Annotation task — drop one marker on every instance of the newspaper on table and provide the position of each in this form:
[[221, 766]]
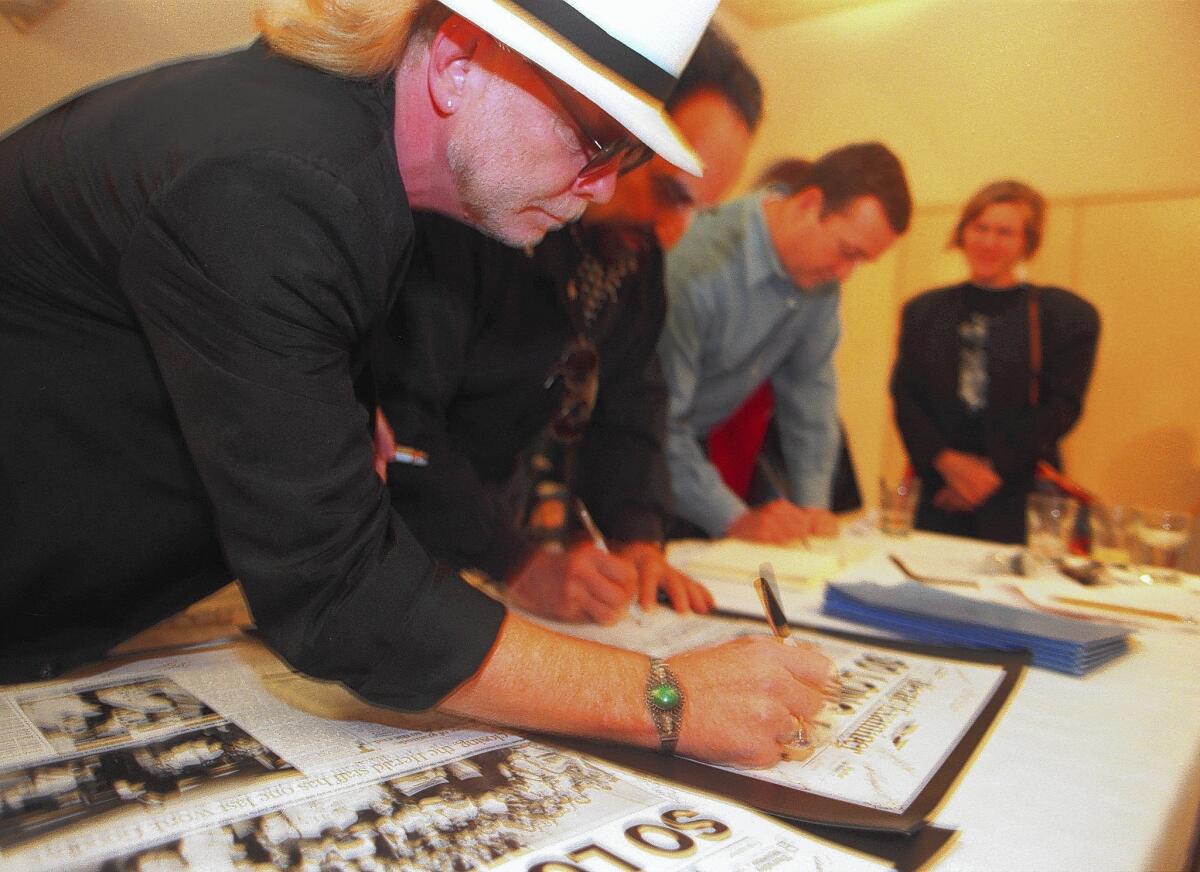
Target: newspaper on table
[[199, 762], [897, 718]]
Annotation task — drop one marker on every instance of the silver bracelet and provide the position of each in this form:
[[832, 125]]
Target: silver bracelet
[[664, 698]]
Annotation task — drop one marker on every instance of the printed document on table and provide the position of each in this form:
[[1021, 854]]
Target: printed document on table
[[897, 718], [192, 763], [736, 560]]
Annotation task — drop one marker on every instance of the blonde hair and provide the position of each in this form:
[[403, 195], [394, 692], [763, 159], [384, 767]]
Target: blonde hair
[[360, 39]]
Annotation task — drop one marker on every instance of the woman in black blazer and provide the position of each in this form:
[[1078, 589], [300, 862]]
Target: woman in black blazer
[[990, 373]]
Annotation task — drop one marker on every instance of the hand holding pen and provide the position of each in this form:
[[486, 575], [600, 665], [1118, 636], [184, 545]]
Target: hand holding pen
[[585, 518], [657, 581], [747, 697], [583, 583], [804, 742]]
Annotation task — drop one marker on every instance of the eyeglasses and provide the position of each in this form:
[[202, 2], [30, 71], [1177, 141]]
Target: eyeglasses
[[579, 371], [623, 151]]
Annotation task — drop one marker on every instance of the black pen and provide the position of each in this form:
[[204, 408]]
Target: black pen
[[585, 517], [768, 595], [801, 746], [772, 603]]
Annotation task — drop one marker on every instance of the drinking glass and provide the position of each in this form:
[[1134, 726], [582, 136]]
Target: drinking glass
[[1049, 524], [898, 505], [1159, 537], [1112, 530]]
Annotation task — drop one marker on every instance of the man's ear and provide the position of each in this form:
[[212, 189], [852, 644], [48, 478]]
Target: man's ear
[[809, 202], [452, 53]]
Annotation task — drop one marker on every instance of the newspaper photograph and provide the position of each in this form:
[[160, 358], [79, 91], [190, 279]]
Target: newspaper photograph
[[144, 768], [897, 718], [524, 808], [140, 743], [152, 751]]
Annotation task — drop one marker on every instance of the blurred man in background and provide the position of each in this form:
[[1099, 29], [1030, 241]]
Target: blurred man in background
[[753, 292]]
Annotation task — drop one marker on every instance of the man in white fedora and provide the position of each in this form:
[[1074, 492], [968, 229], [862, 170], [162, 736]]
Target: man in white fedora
[[192, 261], [527, 379]]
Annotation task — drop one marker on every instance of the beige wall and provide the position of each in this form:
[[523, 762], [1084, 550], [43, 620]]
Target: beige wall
[[1084, 97], [87, 41], [1094, 103], [1140, 263]]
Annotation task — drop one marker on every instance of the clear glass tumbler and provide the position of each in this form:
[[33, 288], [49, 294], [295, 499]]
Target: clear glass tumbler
[[1049, 525], [1112, 529], [898, 505]]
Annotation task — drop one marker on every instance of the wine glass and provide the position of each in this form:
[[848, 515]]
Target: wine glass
[[1158, 538]]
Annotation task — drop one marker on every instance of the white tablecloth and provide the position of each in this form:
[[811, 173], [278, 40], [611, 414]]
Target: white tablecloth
[[1097, 773]]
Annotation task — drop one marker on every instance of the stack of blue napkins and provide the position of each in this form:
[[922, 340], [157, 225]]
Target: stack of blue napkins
[[925, 614]]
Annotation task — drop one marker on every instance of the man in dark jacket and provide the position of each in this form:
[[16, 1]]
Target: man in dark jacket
[[191, 263], [471, 374]]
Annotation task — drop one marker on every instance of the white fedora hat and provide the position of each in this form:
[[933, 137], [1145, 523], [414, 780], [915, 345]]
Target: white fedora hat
[[623, 55]]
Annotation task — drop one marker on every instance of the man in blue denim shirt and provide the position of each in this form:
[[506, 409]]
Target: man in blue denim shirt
[[753, 293]]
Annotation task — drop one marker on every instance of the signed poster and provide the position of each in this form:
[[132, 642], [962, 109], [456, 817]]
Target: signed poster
[[898, 715]]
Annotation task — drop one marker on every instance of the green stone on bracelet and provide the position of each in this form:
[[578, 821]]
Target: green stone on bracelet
[[664, 697]]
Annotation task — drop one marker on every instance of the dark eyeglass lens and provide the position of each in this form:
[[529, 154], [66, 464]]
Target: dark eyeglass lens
[[627, 153], [630, 152], [637, 155]]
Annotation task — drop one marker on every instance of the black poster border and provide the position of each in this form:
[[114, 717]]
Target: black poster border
[[801, 806]]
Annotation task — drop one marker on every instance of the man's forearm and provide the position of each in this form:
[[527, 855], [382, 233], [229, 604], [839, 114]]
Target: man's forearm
[[811, 453], [806, 415], [736, 700], [814, 487], [537, 679], [699, 494]]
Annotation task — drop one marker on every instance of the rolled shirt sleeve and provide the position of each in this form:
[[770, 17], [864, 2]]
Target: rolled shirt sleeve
[[698, 491]]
